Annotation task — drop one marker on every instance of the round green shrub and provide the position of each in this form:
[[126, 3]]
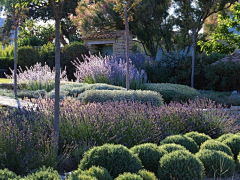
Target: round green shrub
[[149, 154], [224, 136], [234, 143], [172, 147], [187, 142], [129, 176], [6, 174], [116, 159], [74, 175], [82, 177], [216, 145], [44, 173], [100, 173], [27, 56], [216, 163], [181, 165], [147, 175], [199, 138], [238, 163]]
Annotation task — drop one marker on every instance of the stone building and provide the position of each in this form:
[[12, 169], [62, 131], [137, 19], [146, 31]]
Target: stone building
[[108, 43]]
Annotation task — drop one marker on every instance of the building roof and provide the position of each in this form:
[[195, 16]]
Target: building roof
[[105, 35]]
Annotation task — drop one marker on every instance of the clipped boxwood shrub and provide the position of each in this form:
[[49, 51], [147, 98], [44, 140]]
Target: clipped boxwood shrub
[[6, 174], [129, 176], [6, 63], [172, 92], [149, 154], [82, 177], [27, 56], [71, 52], [216, 163], [234, 143], [216, 145], [147, 175], [181, 165], [199, 138], [172, 147], [100, 173], [118, 95], [44, 173], [187, 142], [116, 159], [224, 136]]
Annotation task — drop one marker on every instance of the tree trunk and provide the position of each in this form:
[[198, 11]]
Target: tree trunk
[[15, 58], [193, 57], [57, 86], [127, 48]]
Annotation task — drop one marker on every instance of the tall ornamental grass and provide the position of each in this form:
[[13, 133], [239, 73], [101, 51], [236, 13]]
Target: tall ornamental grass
[[37, 77], [96, 69]]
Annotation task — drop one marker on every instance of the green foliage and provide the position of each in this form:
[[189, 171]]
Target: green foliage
[[216, 145], [6, 62], [172, 92], [147, 175], [223, 76], [187, 142], [47, 54], [238, 163], [99, 173], [71, 52], [149, 154], [27, 56], [116, 159], [199, 138], [5, 174], [172, 147], [224, 137], [82, 177], [118, 95], [6, 51], [216, 163], [44, 174], [234, 143], [181, 165], [224, 39], [129, 176]]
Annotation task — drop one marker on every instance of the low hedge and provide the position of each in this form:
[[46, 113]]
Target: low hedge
[[172, 92], [6, 63], [118, 95]]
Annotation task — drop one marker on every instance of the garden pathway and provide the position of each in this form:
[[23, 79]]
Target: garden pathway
[[14, 103]]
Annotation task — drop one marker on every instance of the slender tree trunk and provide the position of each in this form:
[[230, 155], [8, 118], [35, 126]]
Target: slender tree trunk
[[57, 85], [15, 58], [193, 57], [127, 48]]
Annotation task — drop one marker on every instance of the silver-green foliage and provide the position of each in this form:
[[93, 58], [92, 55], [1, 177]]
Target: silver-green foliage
[[117, 95], [181, 165], [216, 163]]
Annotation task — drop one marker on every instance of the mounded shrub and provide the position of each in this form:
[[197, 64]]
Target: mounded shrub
[[216, 145], [199, 138], [147, 175], [118, 95], [216, 163], [172, 92], [181, 165], [129, 176], [224, 136], [172, 147], [238, 162], [99, 173], [44, 173], [6, 174], [116, 159], [149, 154], [234, 144], [187, 142], [82, 177], [27, 56]]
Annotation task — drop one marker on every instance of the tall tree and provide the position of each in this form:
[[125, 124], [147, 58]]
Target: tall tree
[[5, 31], [123, 7], [225, 37], [191, 15], [16, 10]]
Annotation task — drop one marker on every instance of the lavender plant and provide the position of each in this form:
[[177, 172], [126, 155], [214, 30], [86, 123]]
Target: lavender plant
[[37, 77], [96, 69]]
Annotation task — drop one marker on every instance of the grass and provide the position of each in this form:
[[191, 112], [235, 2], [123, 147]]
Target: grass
[[4, 80]]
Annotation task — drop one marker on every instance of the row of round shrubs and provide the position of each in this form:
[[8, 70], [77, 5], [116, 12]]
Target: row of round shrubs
[[183, 157]]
